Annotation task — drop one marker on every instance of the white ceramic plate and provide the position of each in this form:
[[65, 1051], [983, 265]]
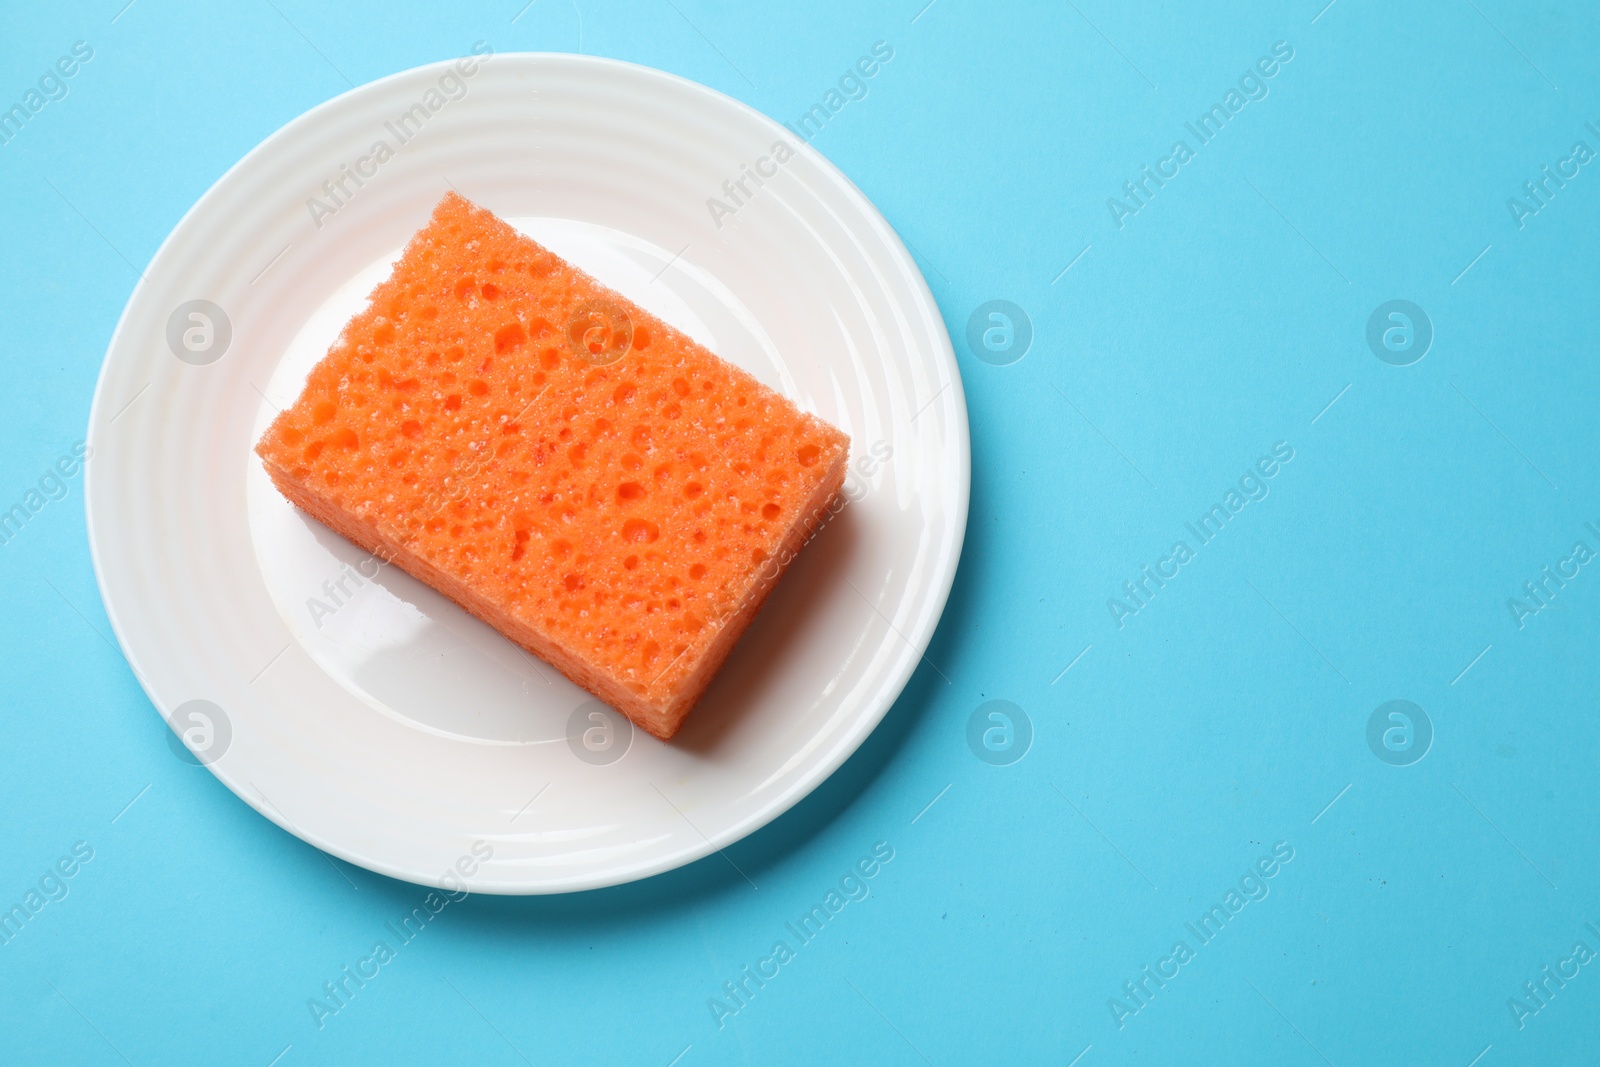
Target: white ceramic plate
[[394, 730]]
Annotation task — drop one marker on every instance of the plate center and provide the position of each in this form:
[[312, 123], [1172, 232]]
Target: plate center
[[402, 647]]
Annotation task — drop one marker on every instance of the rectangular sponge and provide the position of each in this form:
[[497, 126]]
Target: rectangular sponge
[[589, 481]]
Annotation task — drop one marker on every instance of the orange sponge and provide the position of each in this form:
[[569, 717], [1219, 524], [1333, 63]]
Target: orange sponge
[[591, 482]]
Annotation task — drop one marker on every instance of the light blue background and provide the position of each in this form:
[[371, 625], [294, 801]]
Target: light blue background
[[1222, 718]]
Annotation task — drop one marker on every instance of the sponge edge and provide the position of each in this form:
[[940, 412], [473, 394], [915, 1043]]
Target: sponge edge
[[586, 479]]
